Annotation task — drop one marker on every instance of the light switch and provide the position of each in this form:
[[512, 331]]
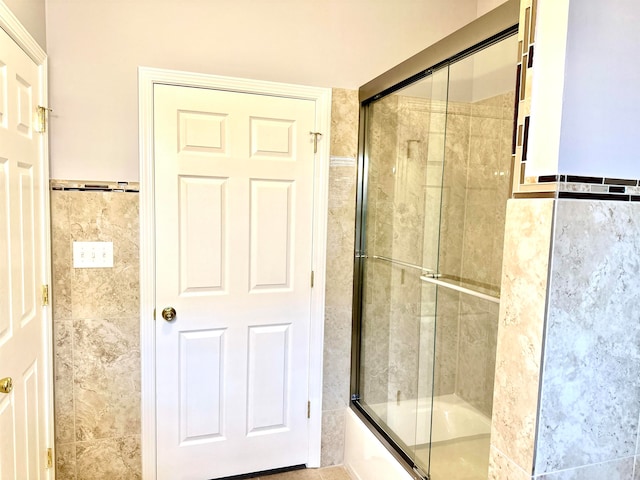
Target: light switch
[[92, 254]]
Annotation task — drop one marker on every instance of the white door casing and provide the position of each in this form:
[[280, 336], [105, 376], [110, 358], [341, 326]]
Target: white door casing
[[26, 413], [272, 332]]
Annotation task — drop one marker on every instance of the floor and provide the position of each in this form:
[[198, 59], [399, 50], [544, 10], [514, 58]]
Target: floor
[[328, 473]]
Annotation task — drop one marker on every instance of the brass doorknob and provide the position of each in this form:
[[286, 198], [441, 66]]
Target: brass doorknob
[[169, 314], [6, 385]]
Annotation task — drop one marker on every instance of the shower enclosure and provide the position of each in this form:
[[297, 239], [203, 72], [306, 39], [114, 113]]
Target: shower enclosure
[[433, 185]]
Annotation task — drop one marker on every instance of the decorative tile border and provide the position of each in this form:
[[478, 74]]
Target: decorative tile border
[[593, 188], [526, 46], [87, 186]]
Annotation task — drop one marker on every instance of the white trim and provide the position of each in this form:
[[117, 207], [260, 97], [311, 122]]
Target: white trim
[[19, 34], [10, 24], [47, 272], [147, 78]]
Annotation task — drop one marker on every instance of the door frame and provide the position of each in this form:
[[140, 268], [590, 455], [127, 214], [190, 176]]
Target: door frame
[[19, 34], [147, 78]]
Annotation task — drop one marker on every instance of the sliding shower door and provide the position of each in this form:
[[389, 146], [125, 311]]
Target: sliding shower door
[[405, 151], [434, 181]]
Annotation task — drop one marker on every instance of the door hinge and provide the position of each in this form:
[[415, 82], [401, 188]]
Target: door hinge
[[312, 278], [49, 457], [315, 140], [154, 314], [309, 409], [41, 127], [45, 295]]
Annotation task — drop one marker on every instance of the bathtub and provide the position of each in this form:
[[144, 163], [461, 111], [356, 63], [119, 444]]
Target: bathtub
[[452, 418]]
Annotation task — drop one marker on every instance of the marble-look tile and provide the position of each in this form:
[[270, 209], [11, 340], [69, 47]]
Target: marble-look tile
[[107, 378], [477, 352], [618, 469], [590, 397], [345, 111], [66, 461], [522, 311], [447, 339], [340, 236], [332, 444], [63, 381], [337, 358], [404, 350], [107, 292], [501, 468], [636, 468], [61, 248], [374, 353], [106, 216], [113, 459]]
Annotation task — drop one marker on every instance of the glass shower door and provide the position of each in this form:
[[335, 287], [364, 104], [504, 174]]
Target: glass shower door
[[476, 184], [434, 183], [404, 152]]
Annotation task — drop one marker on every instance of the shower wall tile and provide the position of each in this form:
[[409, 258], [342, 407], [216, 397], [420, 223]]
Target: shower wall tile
[[527, 244], [477, 352], [590, 398], [340, 235], [501, 468], [618, 469], [345, 113], [374, 354], [404, 351], [333, 432], [339, 273], [336, 362], [447, 339]]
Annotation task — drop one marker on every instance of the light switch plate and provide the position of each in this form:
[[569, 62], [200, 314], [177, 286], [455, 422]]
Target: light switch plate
[[92, 254]]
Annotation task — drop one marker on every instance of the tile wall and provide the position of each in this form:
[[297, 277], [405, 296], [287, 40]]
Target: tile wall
[[567, 394], [527, 242], [339, 288], [590, 388], [97, 345]]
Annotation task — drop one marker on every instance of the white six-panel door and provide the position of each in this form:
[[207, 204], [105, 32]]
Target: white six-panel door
[[24, 414], [234, 203]]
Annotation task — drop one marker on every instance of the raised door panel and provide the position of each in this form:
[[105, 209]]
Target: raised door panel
[[268, 379], [203, 233], [272, 227], [201, 386]]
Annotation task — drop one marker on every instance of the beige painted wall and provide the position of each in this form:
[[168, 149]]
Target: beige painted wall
[[95, 48], [32, 15]]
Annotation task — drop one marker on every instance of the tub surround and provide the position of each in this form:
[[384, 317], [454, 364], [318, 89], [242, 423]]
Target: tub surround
[[339, 285]]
